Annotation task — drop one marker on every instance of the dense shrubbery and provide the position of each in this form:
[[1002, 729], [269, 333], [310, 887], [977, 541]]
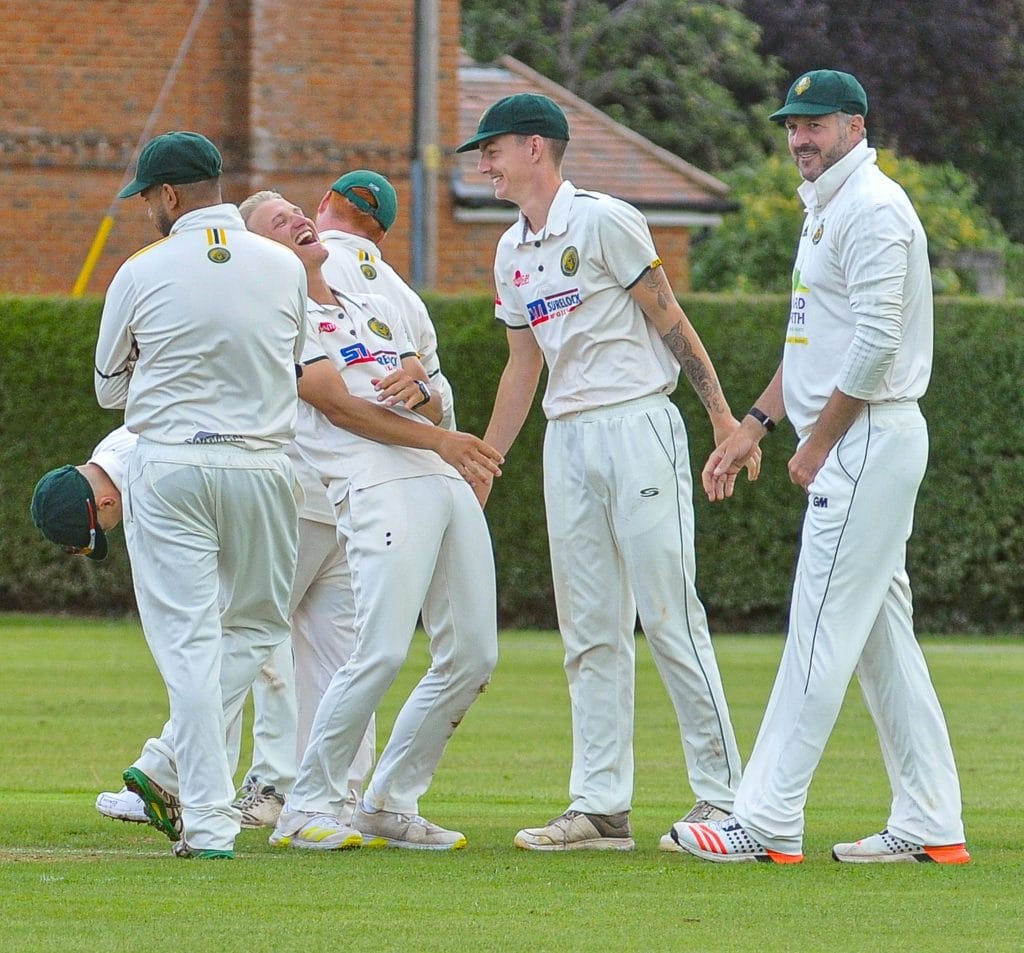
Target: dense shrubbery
[[965, 556]]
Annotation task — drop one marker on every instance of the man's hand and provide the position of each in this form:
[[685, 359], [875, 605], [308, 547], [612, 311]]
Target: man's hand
[[478, 462], [806, 462], [399, 387], [725, 428], [738, 450]]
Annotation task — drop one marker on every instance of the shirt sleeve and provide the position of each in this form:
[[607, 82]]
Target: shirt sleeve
[[626, 244], [115, 346], [874, 258]]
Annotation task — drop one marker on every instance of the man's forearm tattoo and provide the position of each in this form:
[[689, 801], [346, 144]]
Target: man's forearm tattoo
[[695, 369]]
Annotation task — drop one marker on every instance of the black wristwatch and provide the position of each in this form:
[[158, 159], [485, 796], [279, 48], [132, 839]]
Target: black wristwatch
[[425, 391], [762, 418]]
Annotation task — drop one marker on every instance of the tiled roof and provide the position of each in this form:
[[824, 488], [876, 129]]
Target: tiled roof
[[604, 155]]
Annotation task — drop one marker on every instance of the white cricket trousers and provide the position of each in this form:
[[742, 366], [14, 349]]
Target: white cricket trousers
[[205, 524], [419, 543], [618, 497], [323, 621], [851, 612]]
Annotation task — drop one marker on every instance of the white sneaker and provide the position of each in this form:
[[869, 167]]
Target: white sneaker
[[701, 811], [575, 830], [259, 803], [312, 831], [123, 805], [387, 829], [886, 848], [726, 841]]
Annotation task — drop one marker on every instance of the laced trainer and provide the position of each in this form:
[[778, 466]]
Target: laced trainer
[[701, 811], [887, 848], [259, 803], [123, 805], [163, 809], [726, 841], [409, 831], [185, 851], [309, 830], [575, 830]]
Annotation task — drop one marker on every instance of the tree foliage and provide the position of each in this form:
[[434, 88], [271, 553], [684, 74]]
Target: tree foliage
[[753, 249], [686, 75], [945, 80]]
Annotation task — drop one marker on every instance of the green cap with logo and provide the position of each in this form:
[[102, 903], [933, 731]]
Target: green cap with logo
[[377, 196], [821, 92], [527, 114], [64, 508], [175, 158]]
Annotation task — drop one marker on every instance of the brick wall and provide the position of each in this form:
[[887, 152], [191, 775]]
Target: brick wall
[[293, 93]]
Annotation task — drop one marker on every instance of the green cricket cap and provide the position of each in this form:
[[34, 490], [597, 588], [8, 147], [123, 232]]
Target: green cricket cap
[[823, 91], [527, 114], [175, 158], [64, 508], [371, 193]]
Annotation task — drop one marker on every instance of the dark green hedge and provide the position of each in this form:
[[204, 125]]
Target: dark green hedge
[[965, 557]]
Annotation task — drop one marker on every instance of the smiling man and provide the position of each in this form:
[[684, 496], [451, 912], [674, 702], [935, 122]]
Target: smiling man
[[416, 540], [857, 358], [580, 286]]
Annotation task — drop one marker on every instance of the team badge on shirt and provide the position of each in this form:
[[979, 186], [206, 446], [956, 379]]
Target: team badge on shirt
[[570, 261], [366, 265], [379, 328], [818, 232], [218, 254]]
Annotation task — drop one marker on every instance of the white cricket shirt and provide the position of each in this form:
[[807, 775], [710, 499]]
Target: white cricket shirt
[[200, 333], [354, 264], [570, 285], [112, 453], [364, 339], [862, 260]]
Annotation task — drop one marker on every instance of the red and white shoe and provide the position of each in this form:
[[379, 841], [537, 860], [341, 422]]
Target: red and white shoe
[[886, 848], [726, 841]]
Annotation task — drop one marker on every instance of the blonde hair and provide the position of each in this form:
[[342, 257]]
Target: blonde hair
[[247, 206]]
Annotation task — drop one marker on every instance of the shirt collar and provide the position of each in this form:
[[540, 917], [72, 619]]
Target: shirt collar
[[224, 215], [336, 234], [558, 216], [821, 191]]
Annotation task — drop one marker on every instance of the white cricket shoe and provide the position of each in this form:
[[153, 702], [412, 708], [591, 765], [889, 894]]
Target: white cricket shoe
[[575, 830], [886, 848], [123, 805], [259, 803], [409, 831], [701, 811], [726, 841], [310, 830]]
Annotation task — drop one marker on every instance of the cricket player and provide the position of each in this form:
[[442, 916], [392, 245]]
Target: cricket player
[[63, 505], [198, 341], [857, 358], [353, 219], [580, 287], [416, 540]]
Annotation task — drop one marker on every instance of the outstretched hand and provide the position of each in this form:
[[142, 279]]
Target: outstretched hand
[[737, 451], [478, 462]]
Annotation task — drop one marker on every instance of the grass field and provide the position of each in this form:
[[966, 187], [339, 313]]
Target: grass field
[[78, 698]]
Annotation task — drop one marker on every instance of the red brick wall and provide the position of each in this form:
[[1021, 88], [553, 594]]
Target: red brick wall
[[293, 93]]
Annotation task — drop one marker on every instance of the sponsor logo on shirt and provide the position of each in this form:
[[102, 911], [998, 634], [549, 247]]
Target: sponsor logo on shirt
[[519, 279], [204, 436], [327, 327], [798, 311], [553, 306], [570, 261], [358, 353]]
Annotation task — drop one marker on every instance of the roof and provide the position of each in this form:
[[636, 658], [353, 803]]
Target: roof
[[603, 155]]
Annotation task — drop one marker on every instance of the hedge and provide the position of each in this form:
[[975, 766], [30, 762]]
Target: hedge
[[965, 557]]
